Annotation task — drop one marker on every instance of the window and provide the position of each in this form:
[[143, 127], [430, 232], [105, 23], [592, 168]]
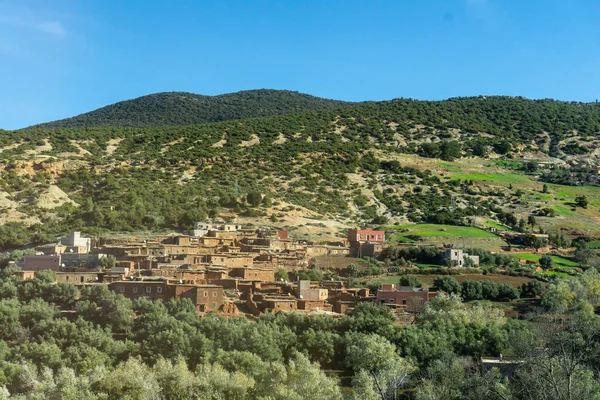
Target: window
[[214, 305], [205, 294], [159, 290], [135, 289], [404, 301], [121, 289], [214, 294], [148, 289]]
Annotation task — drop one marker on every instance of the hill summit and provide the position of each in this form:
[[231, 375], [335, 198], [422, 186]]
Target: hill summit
[[182, 108]]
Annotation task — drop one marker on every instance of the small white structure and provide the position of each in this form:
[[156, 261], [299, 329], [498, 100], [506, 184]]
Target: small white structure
[[458, 257], [75, 240]]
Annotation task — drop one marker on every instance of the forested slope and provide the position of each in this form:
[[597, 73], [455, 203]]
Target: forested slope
[[375, 163], [181, 108]]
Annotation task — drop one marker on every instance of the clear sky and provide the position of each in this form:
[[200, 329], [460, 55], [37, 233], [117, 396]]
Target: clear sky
[[61, 58]]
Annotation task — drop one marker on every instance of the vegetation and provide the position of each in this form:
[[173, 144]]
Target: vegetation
[[144, 165], [180, 108], [110, 347]]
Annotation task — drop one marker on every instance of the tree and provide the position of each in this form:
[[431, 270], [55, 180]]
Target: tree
[[447, 284], [450, 150], [581, 200], [108, 261], [546, 261], [376, 364], [480, 149], [507, 292], [410, 280], [531, 220], [489, 290], [254, 198], [46, 276], [282, 275], [545, 189], [472, 290]]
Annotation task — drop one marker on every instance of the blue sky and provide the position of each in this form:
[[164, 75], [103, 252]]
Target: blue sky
[[61, 58]]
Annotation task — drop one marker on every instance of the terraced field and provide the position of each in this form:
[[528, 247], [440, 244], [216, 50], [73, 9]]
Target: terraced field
[[560, 262]]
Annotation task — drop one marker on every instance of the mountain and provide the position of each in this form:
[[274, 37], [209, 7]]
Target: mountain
[[462, 161], [181, 108]]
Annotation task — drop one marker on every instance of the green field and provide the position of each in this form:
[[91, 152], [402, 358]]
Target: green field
[[450, 167], [594, 245], [497, 225], [560, 262], [427, 280], [508, 178], [508, 164], [563, 210], [433, 230], [555, 273], [568, 193]]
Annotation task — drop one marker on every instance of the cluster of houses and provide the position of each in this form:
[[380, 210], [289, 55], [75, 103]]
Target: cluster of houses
[[220, 267]]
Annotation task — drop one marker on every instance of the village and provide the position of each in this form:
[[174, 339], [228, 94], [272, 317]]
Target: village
[[225, 268]]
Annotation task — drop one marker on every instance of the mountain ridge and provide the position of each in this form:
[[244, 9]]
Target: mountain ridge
[[186, 108]]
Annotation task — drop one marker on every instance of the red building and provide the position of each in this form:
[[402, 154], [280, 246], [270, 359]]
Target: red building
[[403, 295], [366, 242]]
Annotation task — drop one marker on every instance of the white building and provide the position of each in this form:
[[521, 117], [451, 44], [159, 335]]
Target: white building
[[458, 257], [75, 240]]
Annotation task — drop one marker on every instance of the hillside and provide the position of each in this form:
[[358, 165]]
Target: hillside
[[465, 161], [180, 108]]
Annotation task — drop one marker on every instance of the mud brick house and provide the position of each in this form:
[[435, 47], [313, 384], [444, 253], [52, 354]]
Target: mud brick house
[[366, 235], [24, 275], [366, 242], [38, 263], [79, 277], [205, 297], [153, 288], [306, 292], [238, 260], [312, 305], [258, 274], [403, 295], [344, 299]]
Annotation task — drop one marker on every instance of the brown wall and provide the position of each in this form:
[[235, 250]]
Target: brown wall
[[400, 298], [77, 277], [38, 263], [134, 289], [206, 298], [265, 275]]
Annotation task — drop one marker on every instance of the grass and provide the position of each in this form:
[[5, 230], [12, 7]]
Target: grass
[[508, 164], [568, 193], [433, 230], [450, 167], [555, 273], [563, 210], [494, 224], [427, 280], [508, 178], [560, 262], [594, 244]]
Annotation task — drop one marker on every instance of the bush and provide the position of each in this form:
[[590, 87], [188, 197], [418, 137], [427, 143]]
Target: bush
[[410, 280], [447, 284]]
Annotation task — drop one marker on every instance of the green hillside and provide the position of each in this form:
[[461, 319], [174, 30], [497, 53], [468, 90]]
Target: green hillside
[[463, 161], [180, 108]]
